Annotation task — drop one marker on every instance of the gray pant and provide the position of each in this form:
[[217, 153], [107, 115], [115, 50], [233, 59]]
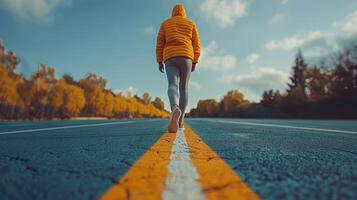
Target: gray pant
[[178, 70]]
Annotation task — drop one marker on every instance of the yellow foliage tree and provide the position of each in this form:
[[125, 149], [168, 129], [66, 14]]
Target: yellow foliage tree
[[232, 102], [43, 96], [8, 93], [56, 96], [74, 101], [207, 108], [109, 104]]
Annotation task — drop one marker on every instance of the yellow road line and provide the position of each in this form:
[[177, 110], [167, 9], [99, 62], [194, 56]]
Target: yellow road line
[[145, 179], [217, 179]]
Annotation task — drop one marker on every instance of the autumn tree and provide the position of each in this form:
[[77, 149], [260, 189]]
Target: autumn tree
[[10, 103], [109, 104], [98, 81], [56, 97], [159, 104], [9, 61], [120, 108], [95, 97], [43, 80], [8, 93], [233, 102], [43, 96], [74, 101], [318, 82], [2, 53], [208, 108], [137, 97], [132, 108], [146, 98], [40, 97], [26, 91]]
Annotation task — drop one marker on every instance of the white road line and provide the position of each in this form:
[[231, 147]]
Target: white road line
[[65, 127], [181, 181], [281, 126]]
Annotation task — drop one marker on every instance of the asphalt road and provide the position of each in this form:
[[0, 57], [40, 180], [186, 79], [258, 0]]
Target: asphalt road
[[73, 163], [278, 159], [287, 162]]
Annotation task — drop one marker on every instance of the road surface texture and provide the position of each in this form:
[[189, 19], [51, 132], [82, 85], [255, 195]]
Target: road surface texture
[[272, 159]]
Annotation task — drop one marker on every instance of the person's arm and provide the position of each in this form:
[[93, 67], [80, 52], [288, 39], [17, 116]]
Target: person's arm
[[196, 46], [160, 44]]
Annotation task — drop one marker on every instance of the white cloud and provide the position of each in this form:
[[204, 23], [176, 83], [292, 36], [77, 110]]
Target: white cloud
[[195, 85], [224, 12], [295, 42], [260, 80], [210, 59], [252, 58], [150, 30], [129, 92], [348, 25], [317, 45], [35, 11], [277, 18], [283, 2]]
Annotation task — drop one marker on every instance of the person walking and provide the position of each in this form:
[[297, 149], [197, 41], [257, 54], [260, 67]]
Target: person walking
[[178, 51]]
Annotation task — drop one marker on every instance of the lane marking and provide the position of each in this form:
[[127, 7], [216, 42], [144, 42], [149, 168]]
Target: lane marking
[[180, 166], [281, 126], [146, 178], [65, 127], [217, 179], [181, 182]]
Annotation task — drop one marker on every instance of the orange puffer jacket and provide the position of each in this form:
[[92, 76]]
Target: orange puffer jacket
[[178, 36]]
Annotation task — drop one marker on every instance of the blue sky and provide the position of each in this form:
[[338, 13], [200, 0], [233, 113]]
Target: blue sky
[[247, 44]]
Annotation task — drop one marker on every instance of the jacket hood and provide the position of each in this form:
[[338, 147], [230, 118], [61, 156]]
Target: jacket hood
[[179, 10]]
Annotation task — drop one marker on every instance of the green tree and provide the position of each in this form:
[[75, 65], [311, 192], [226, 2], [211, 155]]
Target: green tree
[[294, 102], [270, 98], [69, 79], [298, 78], [344, 83]]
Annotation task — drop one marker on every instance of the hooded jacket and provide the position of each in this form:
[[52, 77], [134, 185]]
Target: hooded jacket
[[178, 36]]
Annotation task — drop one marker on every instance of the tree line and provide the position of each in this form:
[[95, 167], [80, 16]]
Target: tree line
[[43, 96], [313, 92]]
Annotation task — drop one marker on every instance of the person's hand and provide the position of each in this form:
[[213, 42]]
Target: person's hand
[[161, 67], [193, 67]]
